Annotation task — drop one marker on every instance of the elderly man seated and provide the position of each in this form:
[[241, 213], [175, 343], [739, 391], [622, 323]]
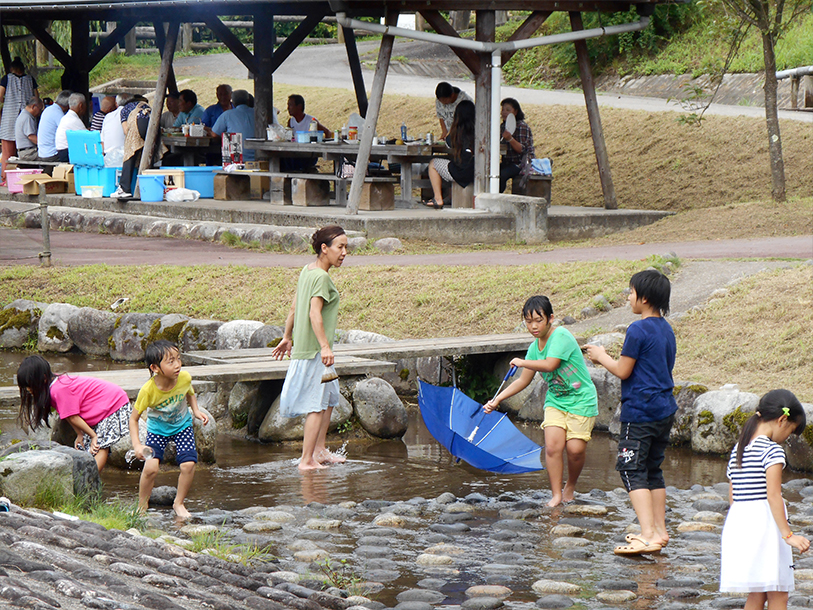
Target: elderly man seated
[[25, 130], [72, 121], [224, 103], [239, 119], [49, 121]]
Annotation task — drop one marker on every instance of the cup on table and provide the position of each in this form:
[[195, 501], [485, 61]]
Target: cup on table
[[185, 129]]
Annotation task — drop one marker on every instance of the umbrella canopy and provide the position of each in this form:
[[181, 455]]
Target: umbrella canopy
[[497, 446]]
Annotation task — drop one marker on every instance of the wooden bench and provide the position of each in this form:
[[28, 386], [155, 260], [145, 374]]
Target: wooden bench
[[537, 186], [309, 189]]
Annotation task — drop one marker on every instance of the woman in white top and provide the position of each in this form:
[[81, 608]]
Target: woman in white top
[[16, 88]]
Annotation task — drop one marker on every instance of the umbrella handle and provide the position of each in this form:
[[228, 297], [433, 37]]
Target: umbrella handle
[[508, 375]]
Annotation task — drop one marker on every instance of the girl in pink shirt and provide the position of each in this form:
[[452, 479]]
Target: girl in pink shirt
[[99, 411]]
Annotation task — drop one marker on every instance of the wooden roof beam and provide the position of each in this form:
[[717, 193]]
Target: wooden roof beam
[[295, 39], [528, 28], [226, 36], [60, 54], [110, 41], [441, 26]]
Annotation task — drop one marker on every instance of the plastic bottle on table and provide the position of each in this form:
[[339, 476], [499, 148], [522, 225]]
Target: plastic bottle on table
[[403, 132]]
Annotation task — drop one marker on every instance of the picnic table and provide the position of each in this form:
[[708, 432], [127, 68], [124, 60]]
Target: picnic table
[[407, 155], [191, 146]]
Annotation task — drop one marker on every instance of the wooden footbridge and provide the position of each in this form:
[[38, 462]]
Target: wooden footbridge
[[212, 367]]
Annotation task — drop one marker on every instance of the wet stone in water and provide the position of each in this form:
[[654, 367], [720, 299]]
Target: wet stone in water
[[414, 606], [615, 597], [276, 516], [421, 595], [554, 601], [552, 586], [455, 517], [431, 583], [373, 541], [511, 524], [584, 523], [488, 591], [382, 575], [716, 506], [508, 558], [261, 526], [672, 583], [683, 592], [569, 543], [504, 535], [482, 603], [372, 552], [566, 530], [451, 529], [428, 559]]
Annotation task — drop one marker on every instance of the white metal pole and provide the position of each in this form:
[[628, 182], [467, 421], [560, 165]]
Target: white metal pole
[[496, 92]]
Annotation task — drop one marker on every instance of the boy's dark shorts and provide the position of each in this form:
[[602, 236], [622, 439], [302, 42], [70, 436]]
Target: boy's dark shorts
[[641, 449], [184, 445]]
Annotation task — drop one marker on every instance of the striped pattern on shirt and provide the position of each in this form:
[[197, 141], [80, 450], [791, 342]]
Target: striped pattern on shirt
[[749, 482]]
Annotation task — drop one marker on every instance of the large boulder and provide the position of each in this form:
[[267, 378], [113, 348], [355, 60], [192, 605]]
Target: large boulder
[[19, 321], [29, 469], [129, 339], [205, 441], [686, 394], [275, 427], [379, 410], [608, 389], [243, 398], [91, 330], [266, 336], [236, 334], [215, 402], [404, 378], [718, 417], [799, 449], [198, 335], [533, 409], [168, 328], [513, 404], [53, 333]]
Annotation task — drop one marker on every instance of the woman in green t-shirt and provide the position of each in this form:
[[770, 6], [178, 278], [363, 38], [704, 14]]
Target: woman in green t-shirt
[[308, 340], [571, 402]]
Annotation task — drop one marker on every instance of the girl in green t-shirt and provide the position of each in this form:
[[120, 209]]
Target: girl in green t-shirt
[[309, 330], [571, 402]]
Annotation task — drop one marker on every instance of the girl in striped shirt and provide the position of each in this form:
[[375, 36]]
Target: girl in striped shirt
[[757, 539]]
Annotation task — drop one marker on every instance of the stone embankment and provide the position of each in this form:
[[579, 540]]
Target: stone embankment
[[476, 553]]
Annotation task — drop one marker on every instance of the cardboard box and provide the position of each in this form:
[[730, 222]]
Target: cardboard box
[[64, 171], [58, 183]]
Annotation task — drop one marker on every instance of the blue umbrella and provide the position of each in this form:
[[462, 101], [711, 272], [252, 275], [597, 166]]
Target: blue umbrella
[[496, 444]]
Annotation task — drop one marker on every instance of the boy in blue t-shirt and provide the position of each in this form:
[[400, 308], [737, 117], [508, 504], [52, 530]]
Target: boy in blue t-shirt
[[647, 407]]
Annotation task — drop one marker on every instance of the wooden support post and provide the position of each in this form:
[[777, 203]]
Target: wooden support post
[[366, 136], [4, 52], [420, 22], [160, 42], [794, 92], [77, 79], [109, 27], [186, 46], [485, 32], [588, 86], [264, 40], [355, 71], [152, 137], [340, 33], [130, 42]]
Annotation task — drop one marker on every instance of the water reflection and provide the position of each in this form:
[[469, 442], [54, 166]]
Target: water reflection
[[252, 474]]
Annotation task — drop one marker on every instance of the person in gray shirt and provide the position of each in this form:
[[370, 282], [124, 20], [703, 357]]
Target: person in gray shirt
[[25, 129]]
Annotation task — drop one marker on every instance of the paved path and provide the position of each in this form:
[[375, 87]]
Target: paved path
[[326, 66], [21, 246]]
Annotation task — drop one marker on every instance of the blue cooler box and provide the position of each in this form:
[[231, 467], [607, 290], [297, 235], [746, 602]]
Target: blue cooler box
[[86, 156], [200, 179]]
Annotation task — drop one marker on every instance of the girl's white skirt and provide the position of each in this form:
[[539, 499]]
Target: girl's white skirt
[[303, 391], [754, 556]]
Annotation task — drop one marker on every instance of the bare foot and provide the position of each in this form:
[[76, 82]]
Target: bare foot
[[181, 512], [569, 494], [312, 465], [556, 500], [328, 457]]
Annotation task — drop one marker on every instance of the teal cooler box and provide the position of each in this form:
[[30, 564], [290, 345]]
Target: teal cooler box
[[86, 156], [200, 179]]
